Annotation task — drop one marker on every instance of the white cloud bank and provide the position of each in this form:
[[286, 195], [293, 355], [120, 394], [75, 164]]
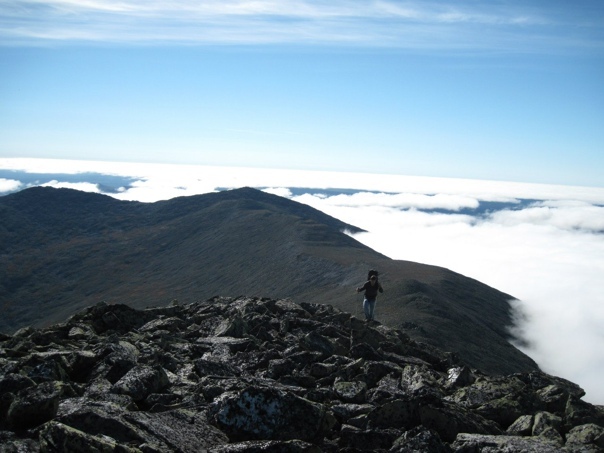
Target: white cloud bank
[[9, 185], [549, 253]]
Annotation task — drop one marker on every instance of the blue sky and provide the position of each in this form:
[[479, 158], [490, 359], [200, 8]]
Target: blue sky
[[502, 90]]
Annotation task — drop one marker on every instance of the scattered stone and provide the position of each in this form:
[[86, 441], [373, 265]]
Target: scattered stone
[[260, 375]]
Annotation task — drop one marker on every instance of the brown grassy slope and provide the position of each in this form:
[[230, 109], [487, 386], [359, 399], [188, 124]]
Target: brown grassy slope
[[64, 250]]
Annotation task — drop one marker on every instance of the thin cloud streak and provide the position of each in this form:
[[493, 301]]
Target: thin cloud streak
[[414, 25]]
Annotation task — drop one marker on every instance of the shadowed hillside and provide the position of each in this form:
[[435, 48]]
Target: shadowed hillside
[[63, 250]]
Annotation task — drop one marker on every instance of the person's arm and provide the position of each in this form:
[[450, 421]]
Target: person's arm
[[380, 287]]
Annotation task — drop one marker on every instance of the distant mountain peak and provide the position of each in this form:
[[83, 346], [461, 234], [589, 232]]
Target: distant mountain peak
[[64, 250]]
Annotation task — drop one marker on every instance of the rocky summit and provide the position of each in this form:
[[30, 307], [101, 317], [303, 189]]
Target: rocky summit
[[264, 375]]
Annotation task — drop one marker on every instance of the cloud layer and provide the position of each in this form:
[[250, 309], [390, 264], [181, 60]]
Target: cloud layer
[[501, 26], [542, 244]]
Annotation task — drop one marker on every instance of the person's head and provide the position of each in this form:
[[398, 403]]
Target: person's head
[[373, 279]]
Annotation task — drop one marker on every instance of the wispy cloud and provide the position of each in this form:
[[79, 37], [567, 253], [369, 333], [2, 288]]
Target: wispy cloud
[[416, 25]]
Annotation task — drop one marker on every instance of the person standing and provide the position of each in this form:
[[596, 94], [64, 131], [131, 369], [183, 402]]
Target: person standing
[[371, 288]]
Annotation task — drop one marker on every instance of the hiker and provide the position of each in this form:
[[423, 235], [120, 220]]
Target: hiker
[[371, 288]]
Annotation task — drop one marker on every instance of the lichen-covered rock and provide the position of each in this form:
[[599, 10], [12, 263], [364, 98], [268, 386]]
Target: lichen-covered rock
[[465, 443], [266, 413], [141, 381], [400, 414], [448, 421], [56, 437], [351, 392], [459, 377], [180, 430], [236, 327], [367, 440], [584, 435], [545, 420], [523, 426], [419, 439], [172, 324], [99, 418], [270, 446], [14, 382], [33, 406]]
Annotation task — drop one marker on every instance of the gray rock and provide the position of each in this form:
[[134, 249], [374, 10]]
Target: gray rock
[[270, 446], [172, 324], [419, 439], [347, 411], [400, 414], [544, 420], [13, 383], [321, 370], [459, 377], [180, 430], [99, 418], [267, 413], [33, 406], [588, 434], [141, 381], [351, 392], [367, 440], [235, 327], [448, 421], [465, 443], [523, 426], [56, 437]]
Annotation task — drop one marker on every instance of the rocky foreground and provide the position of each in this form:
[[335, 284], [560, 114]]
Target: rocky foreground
[[260, 375]]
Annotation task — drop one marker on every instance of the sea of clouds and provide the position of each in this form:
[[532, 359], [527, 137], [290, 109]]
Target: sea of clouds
[[542, 244]]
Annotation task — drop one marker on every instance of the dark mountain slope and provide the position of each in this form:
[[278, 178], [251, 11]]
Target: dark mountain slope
[[63, 250]]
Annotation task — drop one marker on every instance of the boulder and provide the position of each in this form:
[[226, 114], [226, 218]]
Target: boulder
[[56, 437], [367, 440], [351, 392], [419, 439], [141, 381], [522, 426], [545, 420], [465, 443], [449, 420], [400, 414], [268, 446], [271, 414], [99, 418], [33, 406], [583, 435], [180, 430]]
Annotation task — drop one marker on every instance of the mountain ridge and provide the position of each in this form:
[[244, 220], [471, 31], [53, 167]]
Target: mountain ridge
[[65, 250]]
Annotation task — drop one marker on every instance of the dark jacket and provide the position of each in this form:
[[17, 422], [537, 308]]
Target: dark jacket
[[371, 291]]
